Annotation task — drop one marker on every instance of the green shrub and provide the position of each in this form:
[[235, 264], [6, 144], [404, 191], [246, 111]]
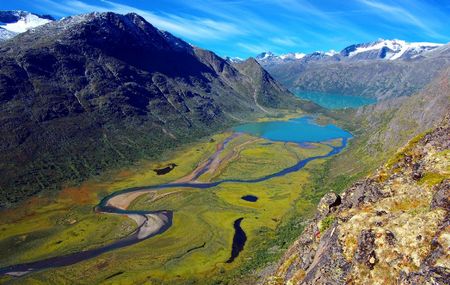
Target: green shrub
[[326, 223]]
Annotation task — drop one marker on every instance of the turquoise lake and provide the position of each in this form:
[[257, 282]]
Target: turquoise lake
[[334, 100], [297, 130]]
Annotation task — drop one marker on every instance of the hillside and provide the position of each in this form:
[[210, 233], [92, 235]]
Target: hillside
[[346, 241], [381, 70], [382, 128], [390, 228], [101, 90]]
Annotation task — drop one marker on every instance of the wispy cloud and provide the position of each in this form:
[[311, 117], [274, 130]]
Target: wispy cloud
[[395, 13], [195, 28], [254, 48], [246, 27], [287, 41]]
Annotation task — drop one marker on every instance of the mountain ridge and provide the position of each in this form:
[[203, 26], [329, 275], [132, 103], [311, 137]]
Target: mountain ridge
[[377, 50], [360, 76], [102, 90]]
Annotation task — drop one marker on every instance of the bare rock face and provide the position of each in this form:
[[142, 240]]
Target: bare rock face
[[328, 202], [441, 197], [391, 228], [367, 191], [329, 265], [365, 253]]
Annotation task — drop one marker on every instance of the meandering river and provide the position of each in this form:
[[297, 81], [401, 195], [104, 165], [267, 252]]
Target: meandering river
[[151, 223]]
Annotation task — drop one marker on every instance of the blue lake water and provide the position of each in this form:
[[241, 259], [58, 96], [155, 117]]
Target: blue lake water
[[334, 100], [297, 130]]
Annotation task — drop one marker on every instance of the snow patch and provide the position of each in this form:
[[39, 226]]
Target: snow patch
[[25, 23], [397, 48]]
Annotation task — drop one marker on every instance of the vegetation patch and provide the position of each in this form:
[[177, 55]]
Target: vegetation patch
[[326, 223], [203, 218]]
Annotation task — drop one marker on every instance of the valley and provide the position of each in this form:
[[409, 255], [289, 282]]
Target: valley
[[195, 236], [130, 154]]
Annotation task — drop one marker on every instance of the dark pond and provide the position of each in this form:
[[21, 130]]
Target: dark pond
[[249, 198], [239, 240], [165, 170]]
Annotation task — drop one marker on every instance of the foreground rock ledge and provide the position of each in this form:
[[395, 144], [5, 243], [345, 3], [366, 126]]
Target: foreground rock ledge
[[391, 228]]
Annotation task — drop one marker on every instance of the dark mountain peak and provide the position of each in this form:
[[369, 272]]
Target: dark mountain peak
[[346, 51], [129, 38], [109, 21], [265, 55], [252, 68], [251, 61], [175, 42], [108, 30]]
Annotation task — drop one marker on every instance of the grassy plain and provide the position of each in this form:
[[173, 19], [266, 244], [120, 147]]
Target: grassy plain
[[196, 247]]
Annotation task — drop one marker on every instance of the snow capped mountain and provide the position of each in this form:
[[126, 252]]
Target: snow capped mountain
[[378, 50], [16, 22], [292, 56], [331, 52], [388, 50], [269, 57], [265, 56], [234, 59]]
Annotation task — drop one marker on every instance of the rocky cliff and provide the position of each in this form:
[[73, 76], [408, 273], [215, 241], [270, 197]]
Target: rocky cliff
[[390, 228]]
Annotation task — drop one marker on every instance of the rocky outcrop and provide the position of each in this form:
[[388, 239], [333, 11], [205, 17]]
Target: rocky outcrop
[[390, 228]]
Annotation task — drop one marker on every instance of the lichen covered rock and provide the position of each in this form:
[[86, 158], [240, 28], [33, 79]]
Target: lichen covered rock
[[390, 228]]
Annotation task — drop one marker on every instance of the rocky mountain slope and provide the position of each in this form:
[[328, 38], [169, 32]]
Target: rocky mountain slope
[[390, 228], [16, 22], [382, 128], [100, 90], [383, 69]]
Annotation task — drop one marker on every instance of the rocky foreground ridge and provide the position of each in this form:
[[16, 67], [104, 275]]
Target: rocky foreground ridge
[[391, 228]]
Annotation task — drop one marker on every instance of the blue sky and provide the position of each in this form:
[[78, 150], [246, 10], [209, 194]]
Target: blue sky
[[246, 27]]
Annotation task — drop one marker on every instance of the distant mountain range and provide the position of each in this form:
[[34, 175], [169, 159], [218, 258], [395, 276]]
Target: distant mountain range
[[16, 22], [382, 69], [95, 91], [378, 50]]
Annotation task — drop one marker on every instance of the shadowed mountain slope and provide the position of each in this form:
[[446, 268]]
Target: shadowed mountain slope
[[100, 90]]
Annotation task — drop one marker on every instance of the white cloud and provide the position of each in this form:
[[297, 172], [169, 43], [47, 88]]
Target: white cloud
[[253, 48], [287, 41], [194, 28], [400, 15]]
